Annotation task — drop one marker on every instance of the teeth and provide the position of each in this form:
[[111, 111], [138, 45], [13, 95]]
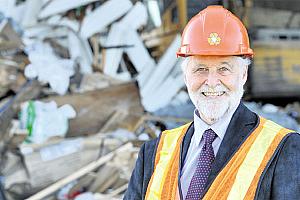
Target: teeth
[[213, 93]]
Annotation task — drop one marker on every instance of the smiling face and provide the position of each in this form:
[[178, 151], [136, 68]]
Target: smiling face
[[215, 84]]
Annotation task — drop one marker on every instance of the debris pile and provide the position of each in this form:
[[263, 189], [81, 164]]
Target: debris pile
[[80, 92], [76, 80]]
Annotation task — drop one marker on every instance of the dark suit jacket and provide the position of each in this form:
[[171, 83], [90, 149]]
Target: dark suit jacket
[[280, 179]]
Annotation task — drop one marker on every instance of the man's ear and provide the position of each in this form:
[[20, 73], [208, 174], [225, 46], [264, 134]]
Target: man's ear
[[245, 75], [184, 77]]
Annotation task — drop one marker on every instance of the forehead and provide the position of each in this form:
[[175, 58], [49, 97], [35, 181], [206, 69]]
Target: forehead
[[213, 60]]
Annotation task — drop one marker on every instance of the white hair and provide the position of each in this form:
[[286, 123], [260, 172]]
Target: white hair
[[245, 62]]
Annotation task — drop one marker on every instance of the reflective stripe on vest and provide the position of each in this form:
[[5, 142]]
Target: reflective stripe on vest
[[237, 180], [164, 180]]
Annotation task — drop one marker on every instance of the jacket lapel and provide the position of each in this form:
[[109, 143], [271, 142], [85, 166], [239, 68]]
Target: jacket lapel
[[240, 127], [242, 124]]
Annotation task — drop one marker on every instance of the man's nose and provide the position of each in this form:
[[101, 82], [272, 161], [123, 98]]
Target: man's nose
[[212, 79]]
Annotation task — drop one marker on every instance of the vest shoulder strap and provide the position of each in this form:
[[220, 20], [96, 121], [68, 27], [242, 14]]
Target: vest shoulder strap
[[240, 177]]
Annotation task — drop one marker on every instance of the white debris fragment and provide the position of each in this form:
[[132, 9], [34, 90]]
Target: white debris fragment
[[32, 9], [45, 120], [162, 70], [136, 17], [79, 49], [48, 68], [113, 56], [60, 6], [123, 33], [104, 15]]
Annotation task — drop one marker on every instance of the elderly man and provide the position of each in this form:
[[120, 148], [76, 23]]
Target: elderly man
[[227, 152]]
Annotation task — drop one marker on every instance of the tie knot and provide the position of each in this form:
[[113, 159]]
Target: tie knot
[[209, 136]]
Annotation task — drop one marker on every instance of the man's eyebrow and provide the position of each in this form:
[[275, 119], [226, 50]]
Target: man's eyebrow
[[226, 63], [200, 65]]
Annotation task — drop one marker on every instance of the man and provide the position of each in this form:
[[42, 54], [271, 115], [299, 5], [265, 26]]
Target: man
[[227, 152]]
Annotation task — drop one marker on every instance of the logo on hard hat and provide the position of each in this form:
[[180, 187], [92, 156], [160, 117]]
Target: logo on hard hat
[[214, 39]]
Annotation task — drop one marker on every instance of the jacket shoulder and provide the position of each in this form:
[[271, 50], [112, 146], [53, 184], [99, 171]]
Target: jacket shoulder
[[282, 176], [142, 172]]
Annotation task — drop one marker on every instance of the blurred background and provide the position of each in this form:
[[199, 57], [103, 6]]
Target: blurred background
[[83, 83]]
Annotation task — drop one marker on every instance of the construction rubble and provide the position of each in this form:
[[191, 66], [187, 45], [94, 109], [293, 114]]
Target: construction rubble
[[80, 92]]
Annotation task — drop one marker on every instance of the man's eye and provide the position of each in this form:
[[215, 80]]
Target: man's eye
[[223, 69], [201, 69]]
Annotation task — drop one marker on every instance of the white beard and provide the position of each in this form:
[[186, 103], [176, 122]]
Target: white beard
[[214, 109]]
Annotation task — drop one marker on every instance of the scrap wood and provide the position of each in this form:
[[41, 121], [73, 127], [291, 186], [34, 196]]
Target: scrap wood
[[108, 182], [60, 6], [96, 49], [124, 33], [168, 90], [103, 60], [83, 182], [167, 118], [90, 167], [108, 12], [94, 108], [55, 162], [121, 119], [9, 62], [91, 82], [9, 39], [164, 67], [137, 121], [150, 131], [16, 135], [117, 191], [31, 11], [105, 197], [103, 174], [29, 90], [150, 117]]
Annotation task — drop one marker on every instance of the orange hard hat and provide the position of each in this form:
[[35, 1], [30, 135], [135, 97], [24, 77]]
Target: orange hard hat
[[215, 31]]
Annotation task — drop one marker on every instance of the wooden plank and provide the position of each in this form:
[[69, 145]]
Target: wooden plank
[[163, 95], [90, 167], [95, 107], [124, 33], [60, 6], [104, 15], [136, 17], [95, 46], [32, 9], [80, 51], [166, 119], [103, 174], [122, 119], [118, 190], [138, 54], [163, 68], [146, 73], [9, 39], [113, 55]]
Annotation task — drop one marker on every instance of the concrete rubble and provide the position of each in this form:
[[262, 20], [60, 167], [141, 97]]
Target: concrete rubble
[[80, 93]]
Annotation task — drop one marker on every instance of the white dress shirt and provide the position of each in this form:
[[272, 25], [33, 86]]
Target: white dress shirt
[[197, 143]]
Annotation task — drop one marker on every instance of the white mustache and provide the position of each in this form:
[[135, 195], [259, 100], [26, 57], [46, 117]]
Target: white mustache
[[218, 88]]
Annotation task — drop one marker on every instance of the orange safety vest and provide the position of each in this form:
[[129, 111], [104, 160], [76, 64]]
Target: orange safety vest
[[239, 178]]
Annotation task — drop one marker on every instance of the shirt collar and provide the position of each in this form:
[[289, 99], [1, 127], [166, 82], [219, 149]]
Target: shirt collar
[[218, 127]]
